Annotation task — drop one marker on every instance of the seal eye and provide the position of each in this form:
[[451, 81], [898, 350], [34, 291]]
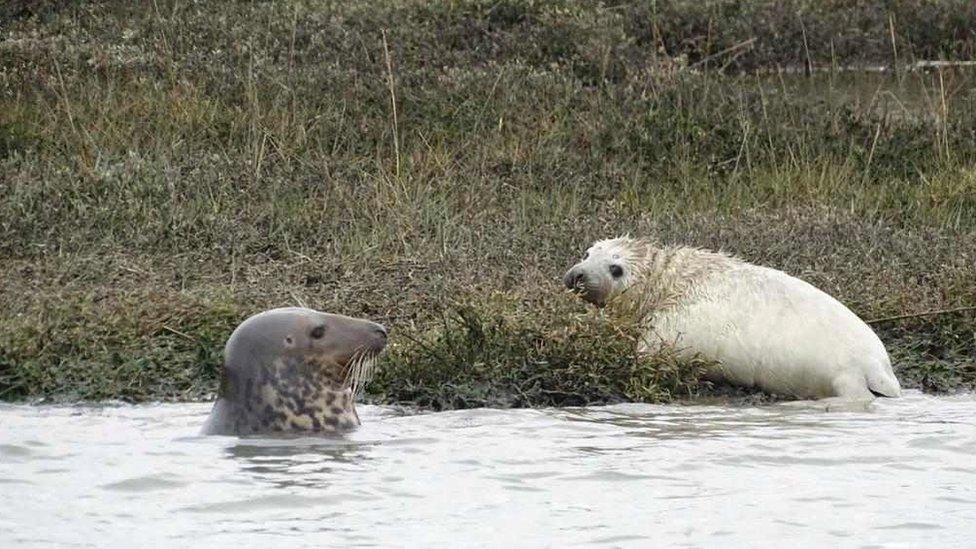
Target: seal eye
[[616, 271], [317, 332], [586, 256]]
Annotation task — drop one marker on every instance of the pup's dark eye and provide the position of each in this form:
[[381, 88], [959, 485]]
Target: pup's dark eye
[[317, 332], [616, 271], [586, 256]]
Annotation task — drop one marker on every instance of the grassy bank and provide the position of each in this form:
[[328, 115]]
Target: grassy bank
[[168, 168]]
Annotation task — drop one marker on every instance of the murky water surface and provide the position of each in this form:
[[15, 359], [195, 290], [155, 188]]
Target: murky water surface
[[895, 473]]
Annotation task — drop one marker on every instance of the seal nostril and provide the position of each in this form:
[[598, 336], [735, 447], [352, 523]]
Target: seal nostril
[[572, 280], [382, 331], [575, 281]]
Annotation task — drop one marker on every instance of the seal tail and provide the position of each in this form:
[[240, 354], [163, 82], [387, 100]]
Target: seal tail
[[881, 381]]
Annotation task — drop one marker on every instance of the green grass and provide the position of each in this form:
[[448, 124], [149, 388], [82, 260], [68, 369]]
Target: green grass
[[503, 353], [165, 172]]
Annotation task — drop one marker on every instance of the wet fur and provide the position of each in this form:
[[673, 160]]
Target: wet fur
[[665, 277]]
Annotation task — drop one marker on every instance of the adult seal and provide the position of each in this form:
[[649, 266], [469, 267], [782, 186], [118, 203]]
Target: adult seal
[[763, 327], [294, 370]]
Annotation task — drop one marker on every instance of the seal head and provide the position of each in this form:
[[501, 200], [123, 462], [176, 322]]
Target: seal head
[[604, 272], [294, 370]]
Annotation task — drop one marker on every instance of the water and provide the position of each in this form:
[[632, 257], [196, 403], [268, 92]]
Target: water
[[896, 473]]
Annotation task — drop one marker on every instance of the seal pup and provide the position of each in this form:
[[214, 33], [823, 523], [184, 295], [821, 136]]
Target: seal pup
[[294, 370], [763, 327]]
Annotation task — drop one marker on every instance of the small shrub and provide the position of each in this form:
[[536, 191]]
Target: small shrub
[[504, 352]]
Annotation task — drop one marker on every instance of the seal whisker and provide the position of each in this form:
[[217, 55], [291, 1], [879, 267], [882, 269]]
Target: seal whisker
[[364, 373], [360, 370], [350, 376]]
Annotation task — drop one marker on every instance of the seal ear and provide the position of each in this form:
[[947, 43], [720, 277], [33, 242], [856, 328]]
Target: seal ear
[[289, 341]]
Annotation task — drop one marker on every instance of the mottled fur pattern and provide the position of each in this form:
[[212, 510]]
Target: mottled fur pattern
[[296, 394]]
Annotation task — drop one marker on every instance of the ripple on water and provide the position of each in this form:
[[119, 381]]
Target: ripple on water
[[614, 476], [911, 526], [13, 451], [627, 475], [273, 502], [147, 483]]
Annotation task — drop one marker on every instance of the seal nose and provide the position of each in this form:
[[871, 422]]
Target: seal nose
[[573, 279], [377, 337]]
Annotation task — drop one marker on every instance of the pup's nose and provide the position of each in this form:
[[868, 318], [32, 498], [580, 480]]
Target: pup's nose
[[381, 331], [573, 279]]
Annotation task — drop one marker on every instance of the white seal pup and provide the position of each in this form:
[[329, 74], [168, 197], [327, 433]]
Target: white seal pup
[[294, 370], [761, 326]]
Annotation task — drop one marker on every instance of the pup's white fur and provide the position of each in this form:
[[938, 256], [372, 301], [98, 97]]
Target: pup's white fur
[[764, 327]]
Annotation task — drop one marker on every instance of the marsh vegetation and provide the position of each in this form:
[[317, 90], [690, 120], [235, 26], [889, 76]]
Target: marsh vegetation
[[168, 168]]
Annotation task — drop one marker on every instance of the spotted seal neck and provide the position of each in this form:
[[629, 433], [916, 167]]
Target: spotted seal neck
[[292, 394]]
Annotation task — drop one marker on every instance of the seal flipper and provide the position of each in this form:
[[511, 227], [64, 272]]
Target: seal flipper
[[882, 382]]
